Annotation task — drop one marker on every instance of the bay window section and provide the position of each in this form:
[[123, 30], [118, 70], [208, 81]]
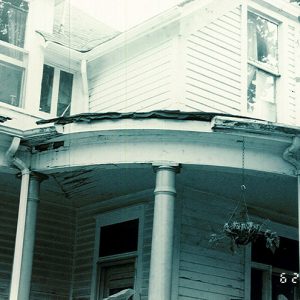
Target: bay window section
[[262, 67]]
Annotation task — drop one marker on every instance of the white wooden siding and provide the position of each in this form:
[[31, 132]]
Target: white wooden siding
[[290, 95], [206, 272], [213, 66], [84, 251], [53, 254], [136, 83], [8, 225], [51, 276]]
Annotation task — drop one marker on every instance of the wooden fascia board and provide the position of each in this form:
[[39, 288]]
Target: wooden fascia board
[[281, 7], [204, 15], [133, 34]]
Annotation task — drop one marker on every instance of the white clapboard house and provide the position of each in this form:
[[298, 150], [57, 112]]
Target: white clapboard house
[[137, 162]]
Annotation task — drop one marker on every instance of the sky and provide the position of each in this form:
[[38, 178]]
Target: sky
[[123, 14]]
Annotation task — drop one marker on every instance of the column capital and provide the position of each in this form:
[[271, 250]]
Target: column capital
[[38, 176], [35, 176], [166, 165]]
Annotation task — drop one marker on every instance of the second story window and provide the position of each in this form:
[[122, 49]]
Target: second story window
[[13, 15], [56, 91], [262, 66]]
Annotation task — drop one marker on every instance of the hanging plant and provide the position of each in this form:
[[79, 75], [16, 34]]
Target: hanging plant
[[239, 229], [243, 233]]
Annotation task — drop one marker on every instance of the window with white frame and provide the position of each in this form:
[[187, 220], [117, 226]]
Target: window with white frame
[[118, 252], [275, 276], [262, 66], [13, 62], [56, 91]]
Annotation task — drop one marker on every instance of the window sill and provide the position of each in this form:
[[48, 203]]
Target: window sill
[[264, 67], [23, 111], [121, 256]]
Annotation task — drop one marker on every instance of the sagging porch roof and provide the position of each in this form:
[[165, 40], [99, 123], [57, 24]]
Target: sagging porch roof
[[221, 121], [156, 114]]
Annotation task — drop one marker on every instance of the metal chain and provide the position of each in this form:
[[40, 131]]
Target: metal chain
[[243, 186]]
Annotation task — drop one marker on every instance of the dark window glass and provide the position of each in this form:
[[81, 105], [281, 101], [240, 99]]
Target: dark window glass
[[256, 284], [285, 257], [281, 290], [46, 92], [10, 84], [13, 15], [119, 238], [64, 94]]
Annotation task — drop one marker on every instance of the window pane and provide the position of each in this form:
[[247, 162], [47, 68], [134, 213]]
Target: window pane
[[261, 93], [119, 238], [262, 40], [46, 91], [64, 94], [10, 84], [13, 15]]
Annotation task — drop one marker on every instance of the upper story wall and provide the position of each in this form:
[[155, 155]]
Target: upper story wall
[[137, 77], [200, 62], [212, 66], [194, 58]]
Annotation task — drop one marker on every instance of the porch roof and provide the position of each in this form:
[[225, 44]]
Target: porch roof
[[156, 114], [221, 121], [77, 30]]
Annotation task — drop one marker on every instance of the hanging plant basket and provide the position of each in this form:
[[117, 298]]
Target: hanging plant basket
[[239, 229], [243, 233]]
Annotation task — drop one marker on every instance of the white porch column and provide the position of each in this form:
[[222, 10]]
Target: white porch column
[[162, 235], [23, 257]]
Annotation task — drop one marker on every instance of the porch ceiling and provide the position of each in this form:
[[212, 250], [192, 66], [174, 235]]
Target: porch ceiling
[[271, 195], [89, 185]]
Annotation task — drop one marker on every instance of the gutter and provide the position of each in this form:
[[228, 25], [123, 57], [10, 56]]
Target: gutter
[[17, 262]]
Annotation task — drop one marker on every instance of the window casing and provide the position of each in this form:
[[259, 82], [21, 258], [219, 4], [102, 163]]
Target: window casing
[[262, 67], [13, 58], [117, 256], [56, 91]]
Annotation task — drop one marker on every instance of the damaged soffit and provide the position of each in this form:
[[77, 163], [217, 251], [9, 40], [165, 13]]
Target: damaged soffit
[[77, 30]]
